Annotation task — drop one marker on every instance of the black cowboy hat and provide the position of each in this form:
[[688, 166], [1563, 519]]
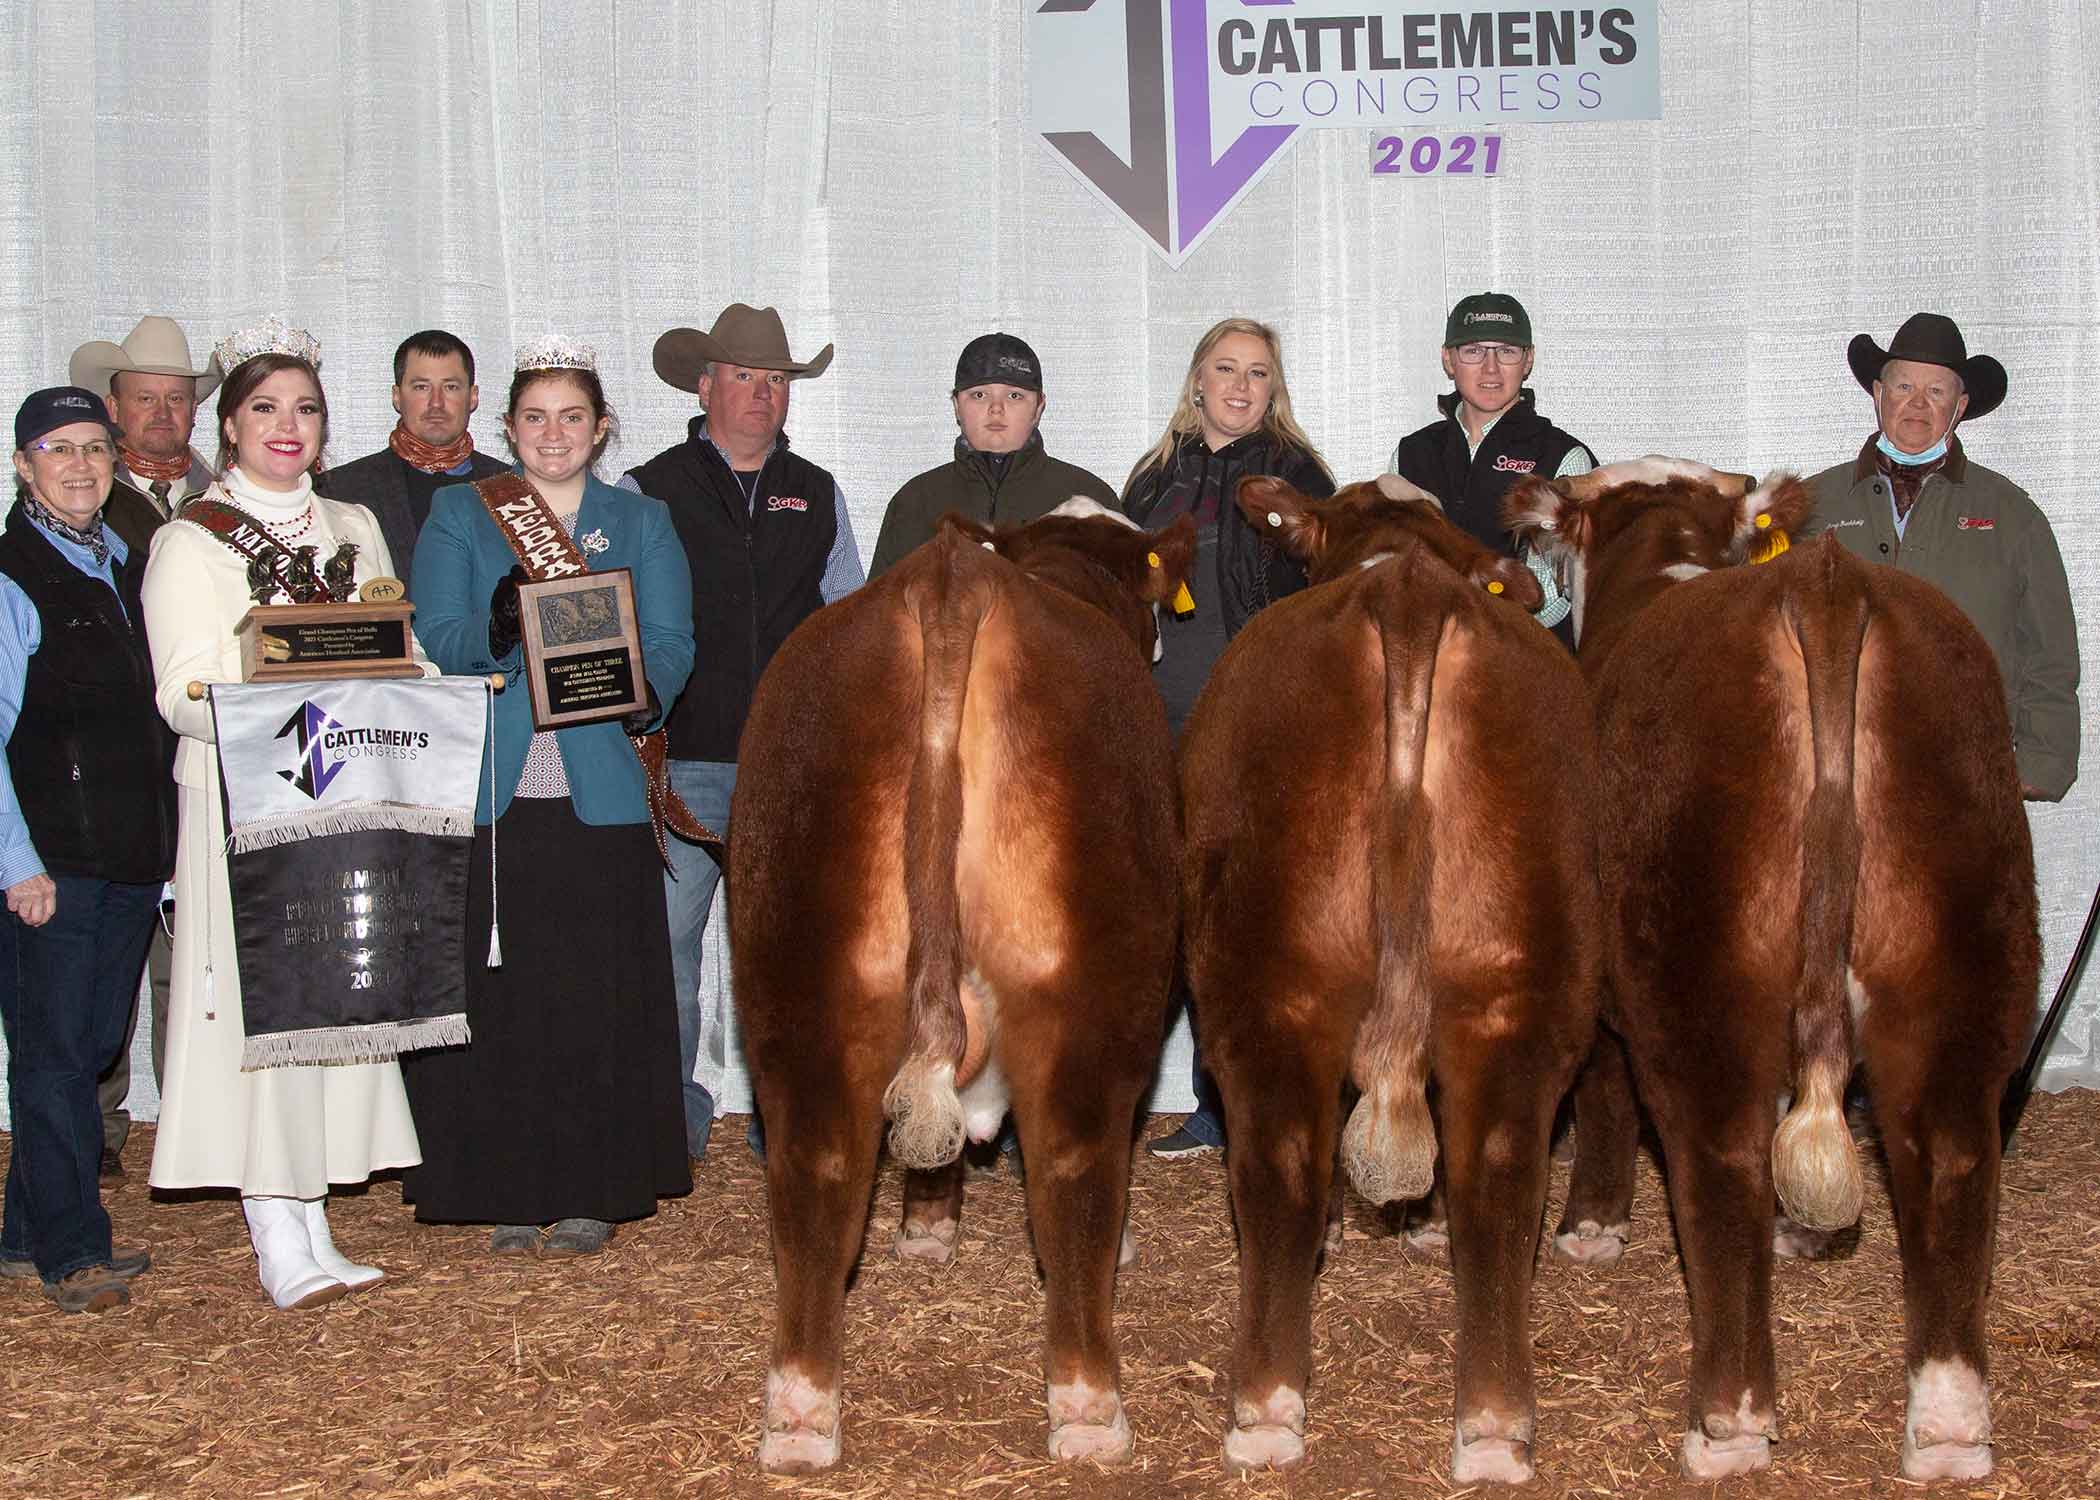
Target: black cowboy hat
[[1932, 339]]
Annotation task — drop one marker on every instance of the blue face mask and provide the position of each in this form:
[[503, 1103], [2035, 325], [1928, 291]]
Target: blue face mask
[[1896, 455]]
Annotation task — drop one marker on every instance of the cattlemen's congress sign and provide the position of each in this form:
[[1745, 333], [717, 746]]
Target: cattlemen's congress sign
[[1171, 110]]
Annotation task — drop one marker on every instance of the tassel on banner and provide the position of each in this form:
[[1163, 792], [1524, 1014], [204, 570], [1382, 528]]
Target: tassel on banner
[[495, 960]]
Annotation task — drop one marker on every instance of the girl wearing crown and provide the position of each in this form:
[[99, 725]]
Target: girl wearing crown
[[280, 1135], [564, 1115]]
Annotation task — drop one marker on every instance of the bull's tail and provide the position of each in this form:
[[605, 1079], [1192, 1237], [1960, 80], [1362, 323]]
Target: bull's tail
[[1815, 1166], [924, 1109], [1389, 1146]]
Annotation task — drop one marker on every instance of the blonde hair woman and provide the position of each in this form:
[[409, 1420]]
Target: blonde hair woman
[[1232, 418]]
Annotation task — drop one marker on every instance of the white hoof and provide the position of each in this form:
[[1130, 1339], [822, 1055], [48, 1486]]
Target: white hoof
[[802, 1425], [1263, 1447], [1720, 1458], [1490, 1460], [1947, 1429], [1087, 1422], [933, 1244], [1432, 1238], [1592, 1244], [1791, 1241]]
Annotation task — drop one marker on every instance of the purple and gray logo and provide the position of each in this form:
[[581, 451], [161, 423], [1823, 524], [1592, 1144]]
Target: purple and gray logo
[[310, 723]]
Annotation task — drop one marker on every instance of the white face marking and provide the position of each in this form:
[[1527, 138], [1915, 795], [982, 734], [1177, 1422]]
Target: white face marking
[[1083, 508], [1682, 571], [1576, 591], [1756, 503], [1374, 559]]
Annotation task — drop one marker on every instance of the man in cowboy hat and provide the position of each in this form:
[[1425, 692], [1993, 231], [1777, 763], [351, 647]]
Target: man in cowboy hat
[[769, 542], [429, 448], [154, 389], [1915, 500]]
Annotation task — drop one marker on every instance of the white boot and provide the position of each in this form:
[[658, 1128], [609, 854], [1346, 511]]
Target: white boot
[[284, 1257], [326, 1256]]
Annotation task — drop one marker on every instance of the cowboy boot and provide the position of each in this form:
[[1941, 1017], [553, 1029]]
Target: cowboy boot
[[326, 1256], [284, 1256]]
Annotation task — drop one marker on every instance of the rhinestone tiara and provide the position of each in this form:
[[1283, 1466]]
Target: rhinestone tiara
[[553, 352], [271, 336]]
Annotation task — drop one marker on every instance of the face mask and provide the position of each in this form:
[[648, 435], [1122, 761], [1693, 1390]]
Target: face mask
[[1896, 455]]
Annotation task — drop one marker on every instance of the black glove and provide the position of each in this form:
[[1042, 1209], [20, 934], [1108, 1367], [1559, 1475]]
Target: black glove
[[503, 613], [637, 723]]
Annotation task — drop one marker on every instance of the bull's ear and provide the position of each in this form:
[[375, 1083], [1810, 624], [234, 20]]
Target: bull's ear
[[1393, 487], [967, 529], [1283, 515], [1782, 503], [1509, 579], [1169, 554]]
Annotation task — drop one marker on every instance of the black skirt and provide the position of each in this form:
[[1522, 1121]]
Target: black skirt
[[567, 1103]]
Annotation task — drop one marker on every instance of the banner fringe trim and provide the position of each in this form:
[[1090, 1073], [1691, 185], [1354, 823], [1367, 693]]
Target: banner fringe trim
[[337, 1045], [358, 817]]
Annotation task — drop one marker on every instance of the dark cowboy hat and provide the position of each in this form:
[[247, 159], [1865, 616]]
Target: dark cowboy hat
[[749, 336], [1932, 339]]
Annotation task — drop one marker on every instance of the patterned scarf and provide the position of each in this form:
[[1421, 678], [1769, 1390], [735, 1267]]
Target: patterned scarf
[[166, 470], [429, 457], [1905, 480], [94, 538]]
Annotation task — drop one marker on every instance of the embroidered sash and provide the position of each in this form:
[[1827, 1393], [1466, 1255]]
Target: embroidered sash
[[246, 536], [547, 550]]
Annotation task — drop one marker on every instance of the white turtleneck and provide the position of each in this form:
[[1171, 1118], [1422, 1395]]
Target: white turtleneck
[[275, 506]]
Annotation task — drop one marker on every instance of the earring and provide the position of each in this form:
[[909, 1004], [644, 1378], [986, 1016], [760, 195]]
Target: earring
[[1197, 399]]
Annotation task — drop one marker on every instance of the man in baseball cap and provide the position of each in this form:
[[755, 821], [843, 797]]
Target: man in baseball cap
[[769, 542], [1000, 473], [1491, 434], [1915, 500]]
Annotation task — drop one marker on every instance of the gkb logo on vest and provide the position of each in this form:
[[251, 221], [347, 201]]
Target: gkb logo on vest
[[1172, 110]]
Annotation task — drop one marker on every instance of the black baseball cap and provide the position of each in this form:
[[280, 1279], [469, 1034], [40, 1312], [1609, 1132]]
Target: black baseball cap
[[58, 406], [1488, 318], [998, 359]]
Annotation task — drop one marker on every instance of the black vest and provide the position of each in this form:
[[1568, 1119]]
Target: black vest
[[91, 760], [756, 575], [1521, 442]]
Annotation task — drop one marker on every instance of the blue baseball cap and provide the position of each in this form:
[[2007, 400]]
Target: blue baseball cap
[[55, 407]]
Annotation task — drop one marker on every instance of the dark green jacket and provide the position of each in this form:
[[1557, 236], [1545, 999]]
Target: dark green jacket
[[1980, 538], [1034, 485]]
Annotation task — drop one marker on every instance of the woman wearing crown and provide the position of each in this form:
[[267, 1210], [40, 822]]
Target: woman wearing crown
[[280, 1135], [564, 1115]]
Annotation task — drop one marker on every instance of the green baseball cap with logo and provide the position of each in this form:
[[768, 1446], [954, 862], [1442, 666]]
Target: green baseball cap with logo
[[1488, 318]]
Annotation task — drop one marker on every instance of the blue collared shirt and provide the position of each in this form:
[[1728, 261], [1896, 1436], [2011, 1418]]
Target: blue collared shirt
[[21, 632]]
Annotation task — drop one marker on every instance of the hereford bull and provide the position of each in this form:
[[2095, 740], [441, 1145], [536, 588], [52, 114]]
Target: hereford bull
[[953, 886], [1813, 853], [1389, 879]]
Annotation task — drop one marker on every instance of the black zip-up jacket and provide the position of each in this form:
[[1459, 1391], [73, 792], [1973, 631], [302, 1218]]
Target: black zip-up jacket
[[1472, 485], [1252, 570], [757, 574]]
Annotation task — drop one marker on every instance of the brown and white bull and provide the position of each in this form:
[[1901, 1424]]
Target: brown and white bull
[[1813, 854], [1389, 880], [953, 888]]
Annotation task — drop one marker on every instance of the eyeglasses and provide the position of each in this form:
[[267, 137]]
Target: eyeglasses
[[1502, 354], [97, 452]]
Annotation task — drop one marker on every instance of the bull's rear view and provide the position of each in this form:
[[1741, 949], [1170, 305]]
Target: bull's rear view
[[953, 890]]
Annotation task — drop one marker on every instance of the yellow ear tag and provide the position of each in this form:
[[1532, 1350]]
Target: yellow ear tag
[[1184, 603], [1151, 559], [1495, 587], [1775, 542], [1764, 519]]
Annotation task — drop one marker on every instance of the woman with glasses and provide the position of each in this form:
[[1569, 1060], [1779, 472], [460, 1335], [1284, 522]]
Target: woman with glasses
[[87, 838], [1231, 420], [1491, 434]]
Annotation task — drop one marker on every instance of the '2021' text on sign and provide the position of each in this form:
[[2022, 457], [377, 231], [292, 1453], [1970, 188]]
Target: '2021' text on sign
[[1437, 156]]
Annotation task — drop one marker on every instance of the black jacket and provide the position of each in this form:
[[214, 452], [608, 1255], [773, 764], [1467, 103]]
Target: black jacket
[[398, 496], [758, 572], [1472, 486], [1252, 571], [91, 759]]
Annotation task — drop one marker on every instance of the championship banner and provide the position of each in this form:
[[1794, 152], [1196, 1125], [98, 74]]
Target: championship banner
[[350, 814]]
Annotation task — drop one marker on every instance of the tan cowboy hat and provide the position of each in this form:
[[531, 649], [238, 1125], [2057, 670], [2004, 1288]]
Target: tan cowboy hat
[[749, 336], [155, 347]]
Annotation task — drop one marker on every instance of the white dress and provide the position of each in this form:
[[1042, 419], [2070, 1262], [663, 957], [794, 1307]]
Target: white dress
[[274, 1132]]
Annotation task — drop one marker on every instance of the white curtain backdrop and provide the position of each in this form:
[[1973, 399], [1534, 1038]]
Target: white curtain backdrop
[[611, 170]]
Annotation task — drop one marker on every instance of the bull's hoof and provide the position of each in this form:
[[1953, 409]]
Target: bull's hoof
[[802, 1425], [1791, 1241], [1263, 1447], [932, 1243], [1721, 1458], [1431, 1237], [1095, 1442], [1126, 1252], [1946, 1460], [1490, 1460], [1947, 1429], [801, 1450], [1591, 1244]]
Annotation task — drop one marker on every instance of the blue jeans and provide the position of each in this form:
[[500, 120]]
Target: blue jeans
[[65, 999], [1207, 1123], [689, 894]]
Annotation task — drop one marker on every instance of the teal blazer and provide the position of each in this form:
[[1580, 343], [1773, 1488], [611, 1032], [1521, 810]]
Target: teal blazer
[[461, 555]]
